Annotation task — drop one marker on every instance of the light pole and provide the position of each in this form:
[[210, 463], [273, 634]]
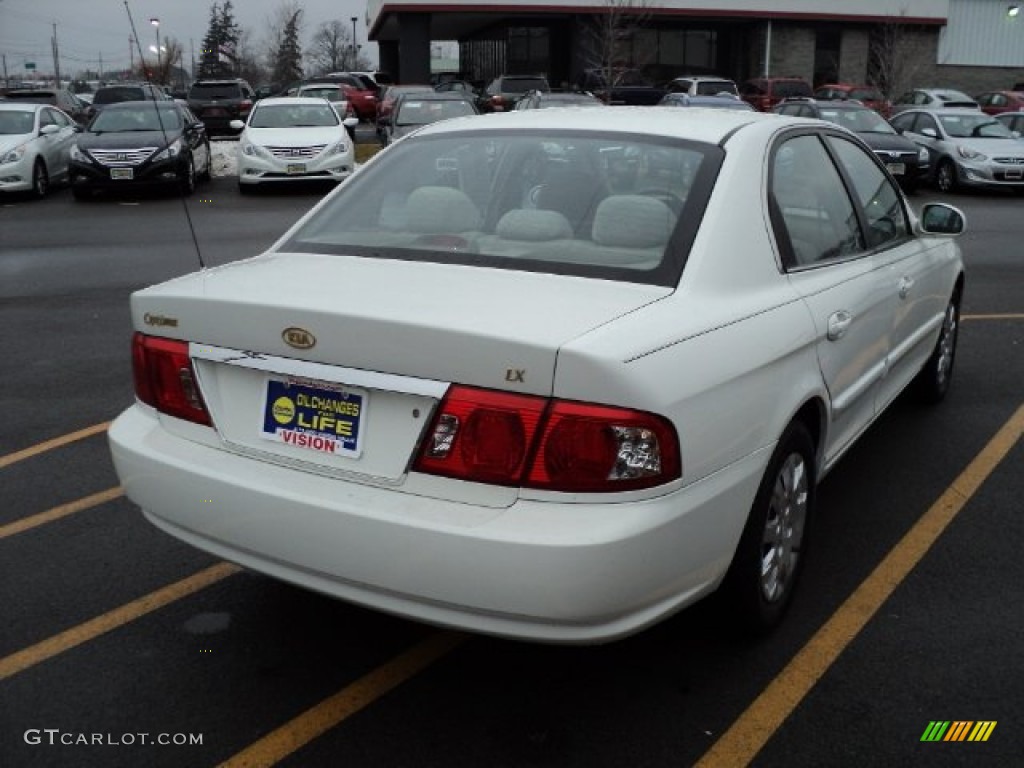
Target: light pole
[[354, 49], [156, 25]]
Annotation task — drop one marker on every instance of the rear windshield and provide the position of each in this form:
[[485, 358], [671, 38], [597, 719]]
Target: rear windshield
[[523, 84], [787, 89], [622, 207], [115, 95], [866, 94], [215, 91], [40, 97], [714, 87]]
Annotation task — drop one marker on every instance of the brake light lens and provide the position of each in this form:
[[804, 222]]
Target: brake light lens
[[520, 440], [165, 379], [244, 106]]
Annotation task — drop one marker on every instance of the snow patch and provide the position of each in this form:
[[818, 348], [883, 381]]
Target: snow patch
[[224, 155]]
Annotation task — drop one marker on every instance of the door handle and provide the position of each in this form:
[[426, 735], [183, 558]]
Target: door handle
[[838, 324], [905, 284]]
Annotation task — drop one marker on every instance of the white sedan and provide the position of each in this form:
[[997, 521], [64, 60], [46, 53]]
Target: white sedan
[[289, 139], [543, 376], [35, 145]]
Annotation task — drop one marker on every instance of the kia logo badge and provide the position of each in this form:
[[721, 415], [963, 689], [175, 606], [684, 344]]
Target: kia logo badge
[[299, 338]]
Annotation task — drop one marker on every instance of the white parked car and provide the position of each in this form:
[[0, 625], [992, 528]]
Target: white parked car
[[286, 139], [35, 145], [545, 376]]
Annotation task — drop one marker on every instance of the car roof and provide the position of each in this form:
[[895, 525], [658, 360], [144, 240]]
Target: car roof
[[271, 101], [706, 125], [148, 103]]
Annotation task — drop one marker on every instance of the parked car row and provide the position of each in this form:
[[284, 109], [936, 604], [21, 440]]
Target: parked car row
[[127, 144]]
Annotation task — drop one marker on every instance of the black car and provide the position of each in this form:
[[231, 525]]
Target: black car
[[414, 110], [218, 102], [906, 161], [140, 143]]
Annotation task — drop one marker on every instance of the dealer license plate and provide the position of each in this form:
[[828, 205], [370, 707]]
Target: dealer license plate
[[315, 415], [296, 167], [216, 112], [122, 173], [896, 169]]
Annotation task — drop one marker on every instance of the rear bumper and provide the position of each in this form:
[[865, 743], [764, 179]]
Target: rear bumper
[[549, 571]]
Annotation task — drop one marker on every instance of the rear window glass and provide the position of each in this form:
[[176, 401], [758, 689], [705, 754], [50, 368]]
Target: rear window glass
[[787, 89], [115, 95], [615, 207], [713, 87], [866, 94], [523, 84], [215, 91], [40, 97]]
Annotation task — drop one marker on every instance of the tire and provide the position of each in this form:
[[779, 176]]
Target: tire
[[188, 179], [770, 556], [207, 174], [945, 177], [934, 379], [40, 180]]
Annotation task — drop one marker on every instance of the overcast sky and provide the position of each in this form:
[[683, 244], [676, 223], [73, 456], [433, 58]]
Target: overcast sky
[[90, 29]]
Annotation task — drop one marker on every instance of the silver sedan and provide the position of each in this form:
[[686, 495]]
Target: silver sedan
[[968, 148], [35, 142]]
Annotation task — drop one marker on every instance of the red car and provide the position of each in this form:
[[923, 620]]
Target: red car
[[997, 102], [763, 93], [867, 95]]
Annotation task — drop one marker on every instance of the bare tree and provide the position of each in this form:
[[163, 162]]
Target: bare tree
[[609, 37], [894, 62], [331, 49]]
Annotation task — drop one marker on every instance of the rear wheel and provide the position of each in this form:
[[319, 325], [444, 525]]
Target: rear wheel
[[40, 179], [770, 555], [934, 379]]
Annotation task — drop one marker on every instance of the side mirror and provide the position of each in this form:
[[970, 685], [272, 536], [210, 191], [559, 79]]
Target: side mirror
[[48, 130], [942, 219], [350, 122], [931, 133], [237, 125]]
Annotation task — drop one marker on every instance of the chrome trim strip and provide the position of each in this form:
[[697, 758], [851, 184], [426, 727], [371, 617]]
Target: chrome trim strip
[[288, 366]]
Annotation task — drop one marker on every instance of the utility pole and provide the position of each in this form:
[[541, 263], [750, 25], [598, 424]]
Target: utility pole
[[355, 62], [56, 55], [131, 54], [192, 45], [101, 65], [7, 80]]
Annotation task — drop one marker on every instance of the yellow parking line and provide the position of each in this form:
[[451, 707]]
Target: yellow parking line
[[319, 719], [49, 445], [740, 744], [41, 651], [1005, 316], [58, 512]]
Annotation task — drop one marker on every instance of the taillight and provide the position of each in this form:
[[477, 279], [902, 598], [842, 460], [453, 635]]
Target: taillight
[[509, 439], [244, 106], [165, 379], [481, 435]]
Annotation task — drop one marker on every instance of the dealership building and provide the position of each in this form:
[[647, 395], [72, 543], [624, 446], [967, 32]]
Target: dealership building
[[971, 45]]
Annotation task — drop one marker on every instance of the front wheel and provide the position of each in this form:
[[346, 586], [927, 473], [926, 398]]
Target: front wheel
[[934, 379], [188, 177], [40, 180], [945, 176], [760, 583]]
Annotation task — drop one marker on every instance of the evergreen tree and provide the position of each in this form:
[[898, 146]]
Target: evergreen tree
[[288, 58], [219, 52], [209, 59]]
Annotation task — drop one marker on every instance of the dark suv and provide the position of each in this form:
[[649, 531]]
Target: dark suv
[[218, 102], [115, 94], [504, 91], [763, 93], [60, 98]]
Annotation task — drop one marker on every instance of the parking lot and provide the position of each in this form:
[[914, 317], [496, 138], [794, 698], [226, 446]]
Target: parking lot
[[121, 646]]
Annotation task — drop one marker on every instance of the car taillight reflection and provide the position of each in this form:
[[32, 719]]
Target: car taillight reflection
[[522, 440], [165, 379]]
